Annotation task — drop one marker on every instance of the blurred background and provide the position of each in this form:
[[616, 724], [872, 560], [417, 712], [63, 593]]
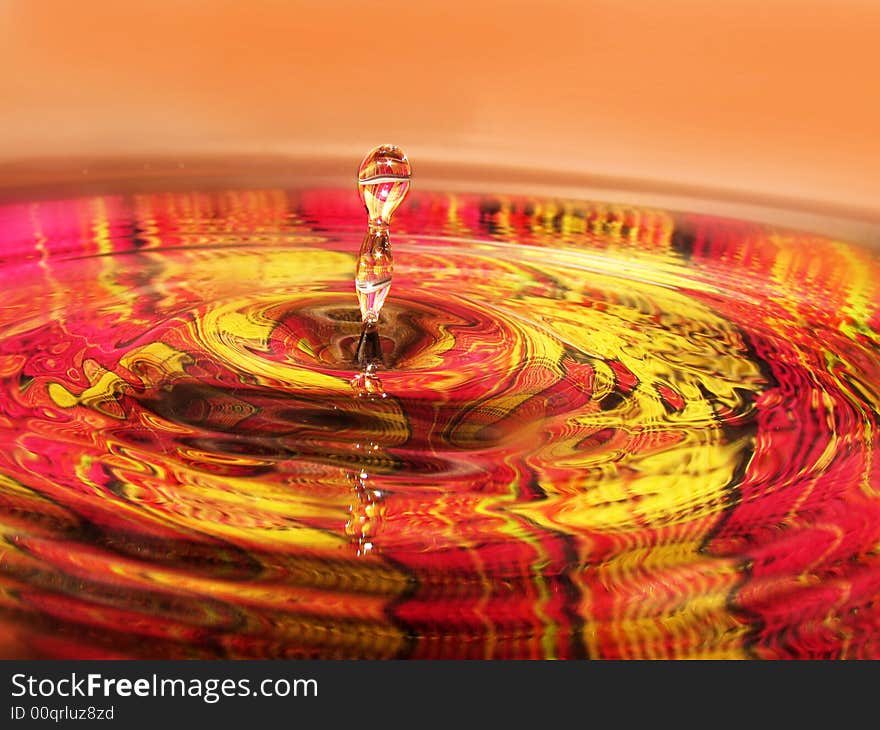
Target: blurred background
[[771, 104]]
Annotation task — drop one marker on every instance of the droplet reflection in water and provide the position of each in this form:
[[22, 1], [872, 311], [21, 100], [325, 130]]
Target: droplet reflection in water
[[606, 431]]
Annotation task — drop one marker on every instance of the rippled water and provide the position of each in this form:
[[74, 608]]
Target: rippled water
[[605, 432]]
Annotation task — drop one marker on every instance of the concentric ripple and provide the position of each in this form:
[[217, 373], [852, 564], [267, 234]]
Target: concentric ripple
[[602, 432]]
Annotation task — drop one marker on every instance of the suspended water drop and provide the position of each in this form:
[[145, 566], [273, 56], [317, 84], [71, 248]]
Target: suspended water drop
[[383, 182]]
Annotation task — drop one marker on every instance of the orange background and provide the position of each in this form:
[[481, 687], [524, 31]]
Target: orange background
[[753, 100]]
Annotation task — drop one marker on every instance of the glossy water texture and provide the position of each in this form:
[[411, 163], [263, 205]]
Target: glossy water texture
[[600, 431]]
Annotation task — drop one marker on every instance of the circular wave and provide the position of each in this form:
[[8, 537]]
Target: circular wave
[[600, 431]]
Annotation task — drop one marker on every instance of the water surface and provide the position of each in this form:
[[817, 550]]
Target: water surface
[[602, 431]]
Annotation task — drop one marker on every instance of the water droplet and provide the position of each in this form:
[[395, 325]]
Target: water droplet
[[383, 182]]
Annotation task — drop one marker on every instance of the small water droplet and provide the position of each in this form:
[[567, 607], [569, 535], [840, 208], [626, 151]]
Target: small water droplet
[[383, 182]]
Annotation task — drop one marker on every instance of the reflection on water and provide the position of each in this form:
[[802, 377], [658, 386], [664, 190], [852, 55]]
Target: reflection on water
[[600, 432]]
